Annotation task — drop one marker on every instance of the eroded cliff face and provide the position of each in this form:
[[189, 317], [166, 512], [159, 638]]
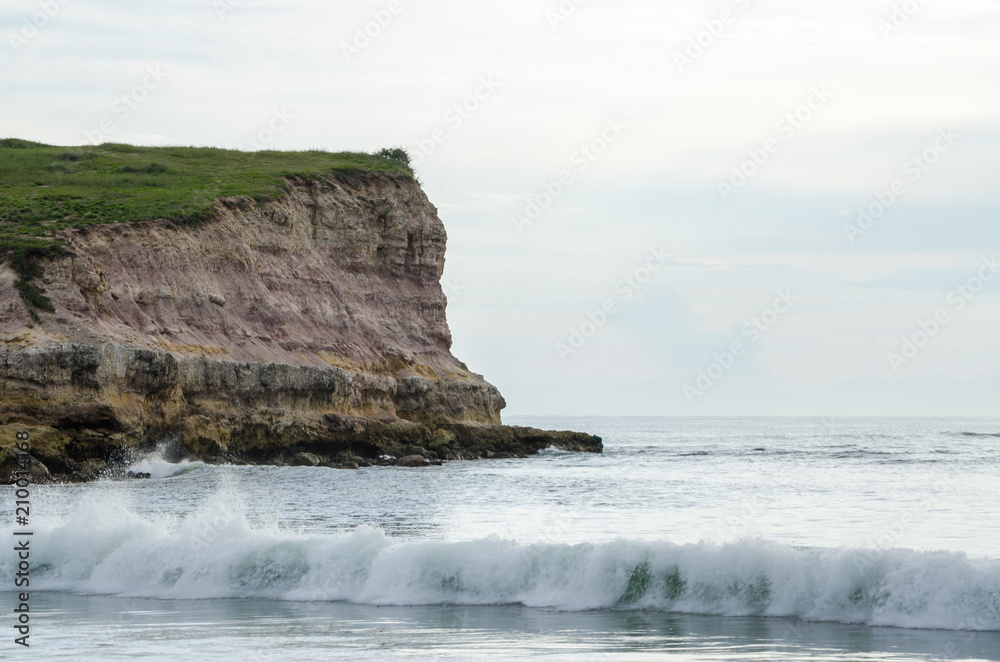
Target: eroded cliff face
[[313, 323]]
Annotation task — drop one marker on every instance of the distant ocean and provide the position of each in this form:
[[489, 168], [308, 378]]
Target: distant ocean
[[689, 538]]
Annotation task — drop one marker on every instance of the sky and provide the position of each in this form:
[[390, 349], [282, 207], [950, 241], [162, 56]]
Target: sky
[[659, 207]]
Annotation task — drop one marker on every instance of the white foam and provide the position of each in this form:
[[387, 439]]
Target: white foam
[[157, 467], [215, 553]]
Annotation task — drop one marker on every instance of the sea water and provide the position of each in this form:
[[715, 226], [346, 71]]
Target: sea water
[[693, 539]]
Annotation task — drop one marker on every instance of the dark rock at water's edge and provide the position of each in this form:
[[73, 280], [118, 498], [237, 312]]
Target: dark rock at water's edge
[[307, 331], [398, 444], [15, 465]]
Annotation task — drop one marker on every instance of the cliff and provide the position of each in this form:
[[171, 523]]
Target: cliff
[[309, 329]]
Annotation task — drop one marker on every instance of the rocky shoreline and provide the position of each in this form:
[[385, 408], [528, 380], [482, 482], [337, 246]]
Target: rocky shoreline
[[51, 458]]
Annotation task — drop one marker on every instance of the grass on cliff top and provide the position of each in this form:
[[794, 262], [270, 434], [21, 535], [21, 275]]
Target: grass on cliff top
[[44, 189]]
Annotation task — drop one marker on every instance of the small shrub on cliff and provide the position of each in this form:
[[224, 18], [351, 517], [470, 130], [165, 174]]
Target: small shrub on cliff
[[396, 154], [33, 296]]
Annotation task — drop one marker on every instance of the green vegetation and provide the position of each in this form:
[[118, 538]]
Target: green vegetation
[[397, 154], [44, 189], [33, 296]]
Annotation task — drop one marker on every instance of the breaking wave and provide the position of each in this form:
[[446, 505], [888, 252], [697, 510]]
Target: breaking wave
[[106, 548], [157, 467]]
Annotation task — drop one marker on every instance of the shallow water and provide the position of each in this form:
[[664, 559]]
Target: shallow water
[[77, 627]]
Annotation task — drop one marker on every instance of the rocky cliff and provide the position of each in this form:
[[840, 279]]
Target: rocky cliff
[[307, 329]]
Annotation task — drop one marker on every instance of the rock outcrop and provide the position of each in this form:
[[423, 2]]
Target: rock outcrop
[[308, 327]]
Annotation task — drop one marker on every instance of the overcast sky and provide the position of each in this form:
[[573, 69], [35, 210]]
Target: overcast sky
[[698, 169]]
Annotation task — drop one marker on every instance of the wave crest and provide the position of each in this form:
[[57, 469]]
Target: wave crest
[[216, 553]]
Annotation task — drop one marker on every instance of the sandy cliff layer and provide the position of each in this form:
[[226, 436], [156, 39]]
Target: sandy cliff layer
[[312, 327]]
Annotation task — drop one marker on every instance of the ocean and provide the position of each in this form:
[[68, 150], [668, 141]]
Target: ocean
[[688, 539]]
